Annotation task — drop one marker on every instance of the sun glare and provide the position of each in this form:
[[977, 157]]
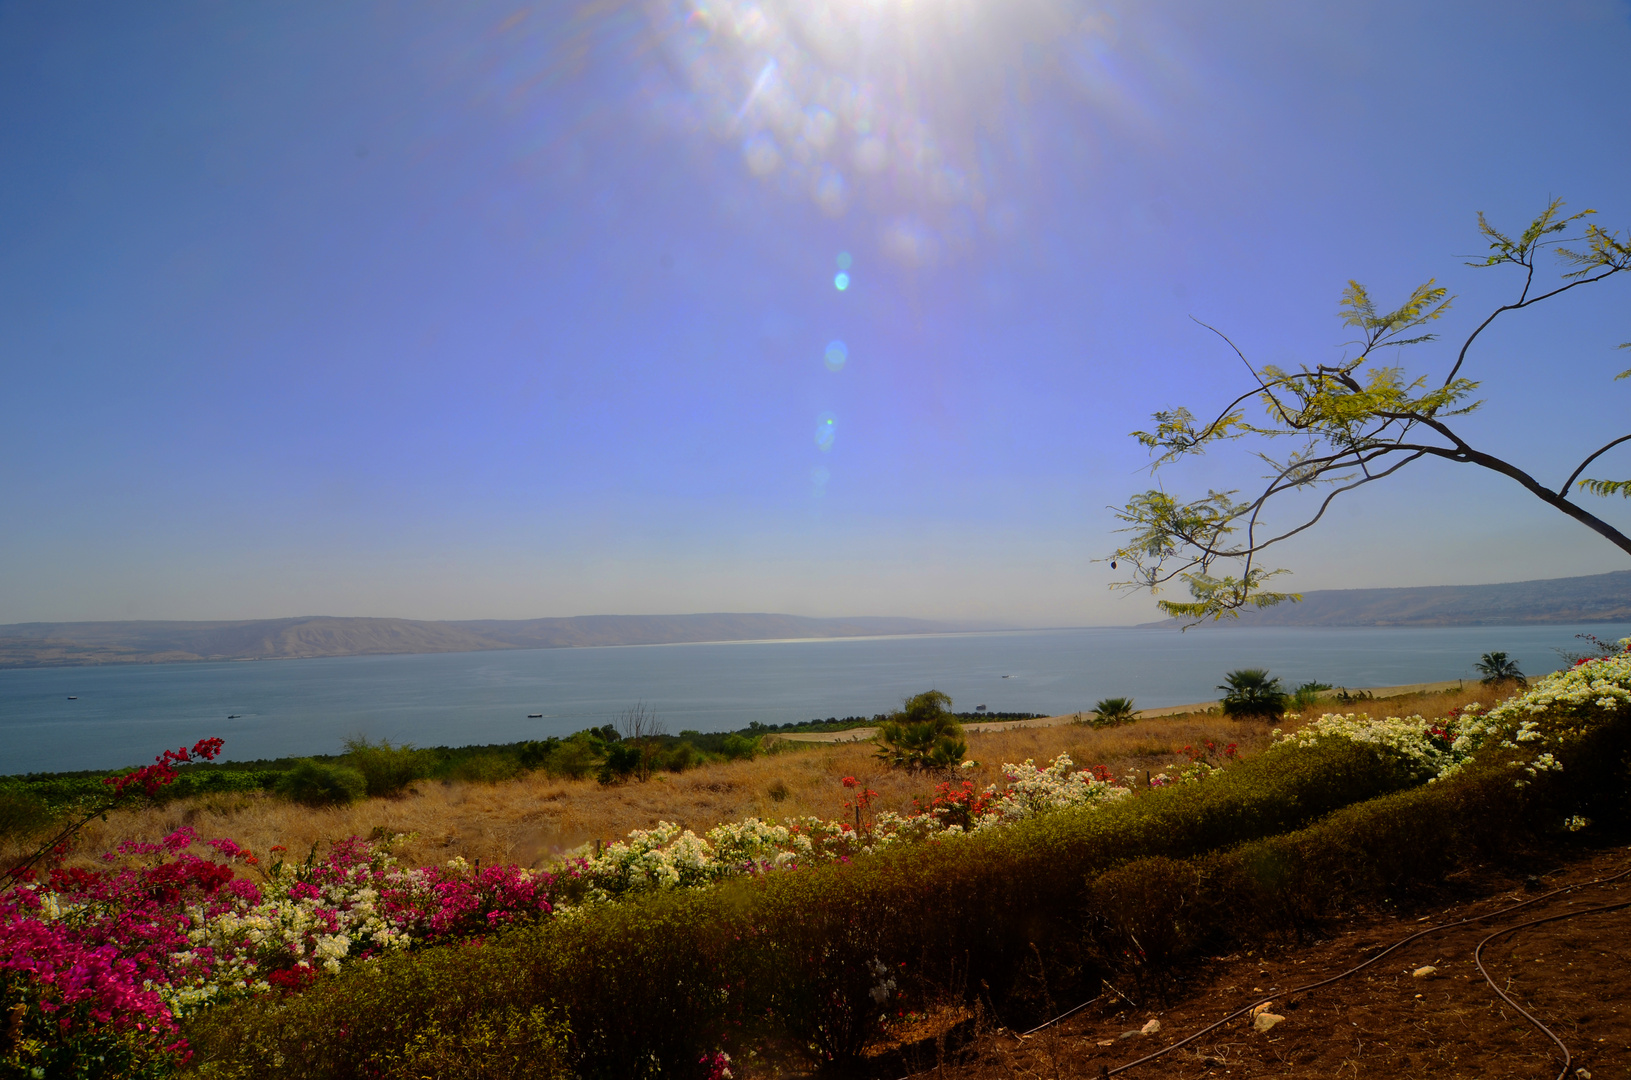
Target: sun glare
[[887, 105]]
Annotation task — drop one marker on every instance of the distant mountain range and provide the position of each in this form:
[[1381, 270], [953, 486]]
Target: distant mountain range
[[1598, 598], [66, 644]]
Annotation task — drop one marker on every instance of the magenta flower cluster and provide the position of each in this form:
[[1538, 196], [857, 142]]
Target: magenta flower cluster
[[132, 947]]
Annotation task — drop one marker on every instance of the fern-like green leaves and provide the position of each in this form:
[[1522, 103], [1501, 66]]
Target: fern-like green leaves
[[1606, 488]]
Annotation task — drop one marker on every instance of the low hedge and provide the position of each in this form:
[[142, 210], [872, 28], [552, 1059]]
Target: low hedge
[[1156, 911], [651, 985], [807, 959]]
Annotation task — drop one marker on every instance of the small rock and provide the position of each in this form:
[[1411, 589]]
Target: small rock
[[1125, 1035], [1583, 1074], [1260, 1009], [1265, 1021], [1107, 1042], [1151, 1028], [1425, 972]]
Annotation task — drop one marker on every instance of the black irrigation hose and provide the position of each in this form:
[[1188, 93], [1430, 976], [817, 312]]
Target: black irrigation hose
[[1567, 1059], [1477, 957], [1066, 1015], [1396, 945]]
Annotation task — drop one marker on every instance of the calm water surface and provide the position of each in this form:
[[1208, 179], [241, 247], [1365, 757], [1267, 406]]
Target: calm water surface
[[125, 714]]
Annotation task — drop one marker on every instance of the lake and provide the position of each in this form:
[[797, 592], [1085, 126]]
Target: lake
[[124, 715]]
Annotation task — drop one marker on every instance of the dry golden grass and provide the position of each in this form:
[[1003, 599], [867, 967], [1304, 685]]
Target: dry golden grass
[[533, 819]]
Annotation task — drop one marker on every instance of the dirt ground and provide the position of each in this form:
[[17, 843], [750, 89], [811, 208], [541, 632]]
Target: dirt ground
[[1574, 975]]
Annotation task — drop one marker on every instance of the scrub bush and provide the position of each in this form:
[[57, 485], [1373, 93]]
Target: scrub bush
[[574, 758], [386, 769], [1307, 694], [317, 783], [485, 769], [621, 762], [23, 814]]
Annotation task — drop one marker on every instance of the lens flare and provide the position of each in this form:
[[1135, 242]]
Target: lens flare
[[837, 354], [844, 260], [840, 281], [826, 429]]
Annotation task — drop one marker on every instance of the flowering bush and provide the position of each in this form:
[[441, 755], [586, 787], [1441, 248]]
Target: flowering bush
[[1204, 761], [1435, 748], [670, 857], [1560, 708], [125, 951], [105, 962]]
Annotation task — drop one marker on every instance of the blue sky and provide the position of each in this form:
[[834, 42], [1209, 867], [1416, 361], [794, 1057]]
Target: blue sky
[[511, 310]]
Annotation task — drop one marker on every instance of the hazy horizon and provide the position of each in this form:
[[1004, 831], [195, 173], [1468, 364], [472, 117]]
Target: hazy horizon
[[526, 310]]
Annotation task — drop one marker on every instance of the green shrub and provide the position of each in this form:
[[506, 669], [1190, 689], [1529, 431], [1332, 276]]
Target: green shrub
[[635, 989], [621, 762], [23, 814], [214, 780], [387, 769], [739, 747], [1307, 694], [574, 758], [535, 754], [66, 1042], [681, 756], [514, 1044], [1386, 848], [484, 769], [317, 783]]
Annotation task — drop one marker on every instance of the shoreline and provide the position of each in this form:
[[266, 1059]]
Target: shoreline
[[864, 734]]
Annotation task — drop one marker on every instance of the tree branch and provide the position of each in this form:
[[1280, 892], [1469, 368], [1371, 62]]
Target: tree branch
[[1569, 483], [1522, 303]]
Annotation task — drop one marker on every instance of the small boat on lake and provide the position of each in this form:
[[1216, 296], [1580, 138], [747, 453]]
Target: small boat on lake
[[535, 716], [234, 716], [73, 697]]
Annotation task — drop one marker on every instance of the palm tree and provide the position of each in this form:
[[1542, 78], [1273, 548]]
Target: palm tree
[[1251, 692], [1114, 710], [1497, 668], [923, 735]]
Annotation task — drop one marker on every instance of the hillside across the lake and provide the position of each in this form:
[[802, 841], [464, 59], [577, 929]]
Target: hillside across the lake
[[65, 644], [1597, 598]]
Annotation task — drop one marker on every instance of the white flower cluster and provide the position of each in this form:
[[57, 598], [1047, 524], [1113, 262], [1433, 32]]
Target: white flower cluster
[[1032, 791], [669, 856], [1427, 744], [1557, 709]]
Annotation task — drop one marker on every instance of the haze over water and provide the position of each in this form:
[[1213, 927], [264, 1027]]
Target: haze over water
[[124, 715]]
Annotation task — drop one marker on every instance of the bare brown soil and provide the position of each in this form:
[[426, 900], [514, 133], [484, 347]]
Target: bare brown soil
[[1574, 975]]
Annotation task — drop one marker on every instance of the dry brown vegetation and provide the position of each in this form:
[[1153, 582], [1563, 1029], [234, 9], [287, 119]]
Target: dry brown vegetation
[[534, 819]]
